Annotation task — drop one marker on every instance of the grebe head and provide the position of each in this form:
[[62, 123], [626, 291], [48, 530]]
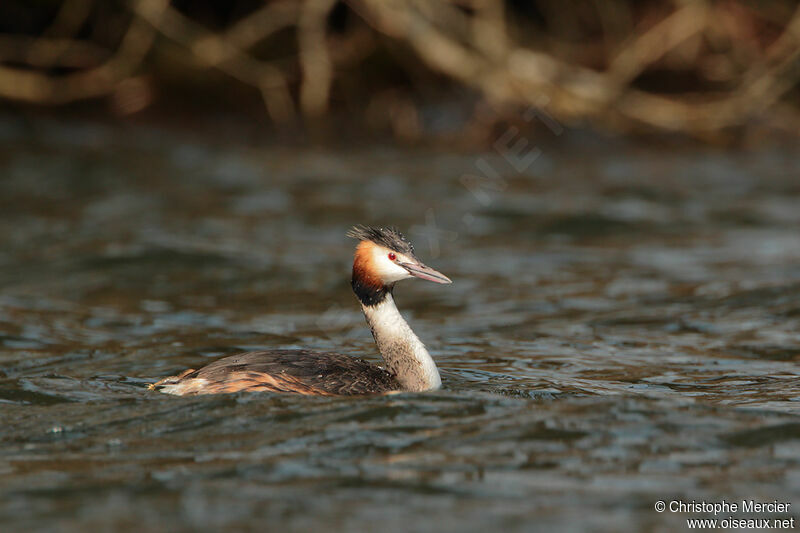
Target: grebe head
[[383, 257]]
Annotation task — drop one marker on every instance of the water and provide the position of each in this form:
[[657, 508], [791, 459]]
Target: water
[[623, 328]]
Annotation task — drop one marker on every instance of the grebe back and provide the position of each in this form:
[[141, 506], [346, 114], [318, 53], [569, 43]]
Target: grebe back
[[382, 258]]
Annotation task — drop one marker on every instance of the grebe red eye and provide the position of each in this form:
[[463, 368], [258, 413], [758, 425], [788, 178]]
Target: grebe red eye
[[392, 256]]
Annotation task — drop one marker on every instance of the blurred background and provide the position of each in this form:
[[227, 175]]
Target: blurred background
[[413, 69], [612, 186]]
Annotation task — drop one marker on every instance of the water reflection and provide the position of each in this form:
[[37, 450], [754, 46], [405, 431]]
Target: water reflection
[[623, 327]]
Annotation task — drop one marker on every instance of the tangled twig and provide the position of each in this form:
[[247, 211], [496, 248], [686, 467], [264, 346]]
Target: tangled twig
[[475, 43]]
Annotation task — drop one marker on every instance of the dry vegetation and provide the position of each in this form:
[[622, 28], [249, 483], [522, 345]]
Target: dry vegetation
[[695, 66]]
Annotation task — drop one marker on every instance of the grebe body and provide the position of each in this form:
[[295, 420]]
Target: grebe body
[[382, 258]]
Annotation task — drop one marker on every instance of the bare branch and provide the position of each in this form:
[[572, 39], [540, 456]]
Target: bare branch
[[471, 42]]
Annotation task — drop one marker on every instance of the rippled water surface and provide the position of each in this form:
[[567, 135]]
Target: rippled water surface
[[623, 327]]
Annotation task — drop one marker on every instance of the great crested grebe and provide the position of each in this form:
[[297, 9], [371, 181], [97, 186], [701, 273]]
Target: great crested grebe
[[382, 258]]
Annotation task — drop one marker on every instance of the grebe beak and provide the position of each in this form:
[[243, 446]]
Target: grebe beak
[[421, 271]]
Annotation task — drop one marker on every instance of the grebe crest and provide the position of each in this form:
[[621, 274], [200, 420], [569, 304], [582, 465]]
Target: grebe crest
[[383, 257]]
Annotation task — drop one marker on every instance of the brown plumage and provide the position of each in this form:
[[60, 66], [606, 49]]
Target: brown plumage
[[297, 371], [363, 269]]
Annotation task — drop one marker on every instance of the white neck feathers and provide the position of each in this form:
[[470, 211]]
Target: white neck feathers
[[403, 352]]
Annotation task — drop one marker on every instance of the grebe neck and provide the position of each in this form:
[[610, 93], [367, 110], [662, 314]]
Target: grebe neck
[[403, 352]]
